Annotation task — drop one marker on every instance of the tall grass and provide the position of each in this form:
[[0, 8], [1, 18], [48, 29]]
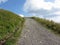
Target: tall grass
[[10, 23]]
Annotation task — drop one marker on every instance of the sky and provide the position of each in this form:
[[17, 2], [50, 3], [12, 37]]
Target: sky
[[49, 9]]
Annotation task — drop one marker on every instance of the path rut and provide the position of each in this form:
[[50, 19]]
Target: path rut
[[35, 34]]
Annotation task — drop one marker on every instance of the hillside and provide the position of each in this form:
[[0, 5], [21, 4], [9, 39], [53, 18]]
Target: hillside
[[10, 26], [53, 26]]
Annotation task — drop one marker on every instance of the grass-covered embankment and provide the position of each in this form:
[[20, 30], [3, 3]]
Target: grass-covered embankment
[[10, 27], [55, 27]]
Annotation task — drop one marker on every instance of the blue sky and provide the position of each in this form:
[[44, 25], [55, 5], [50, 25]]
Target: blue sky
[[15, 6], [49, 9]]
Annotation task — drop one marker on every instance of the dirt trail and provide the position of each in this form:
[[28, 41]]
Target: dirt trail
[[35, 34]]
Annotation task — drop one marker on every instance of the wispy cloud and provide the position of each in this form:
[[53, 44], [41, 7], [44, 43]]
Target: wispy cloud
[[3, 1], [55, 19], [43, 7], [21, 15]]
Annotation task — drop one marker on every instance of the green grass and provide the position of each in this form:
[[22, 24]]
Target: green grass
[[10, 23], [13, 39], [55, 27]]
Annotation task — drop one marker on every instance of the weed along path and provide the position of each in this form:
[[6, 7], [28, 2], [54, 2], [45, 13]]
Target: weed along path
[[35, 34]]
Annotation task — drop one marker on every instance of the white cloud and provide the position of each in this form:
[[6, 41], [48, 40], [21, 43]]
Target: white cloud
[[37, 4], [56, 4], [55, 19], [33, 14], [57, 13], [41, 4], [35, 7], [3, 1], [21, 15]]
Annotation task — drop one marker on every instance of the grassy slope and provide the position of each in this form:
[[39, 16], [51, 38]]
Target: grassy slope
[[9, 22], [55, 27]]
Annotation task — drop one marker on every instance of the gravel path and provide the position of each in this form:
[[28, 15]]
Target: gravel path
[[35, 34]]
